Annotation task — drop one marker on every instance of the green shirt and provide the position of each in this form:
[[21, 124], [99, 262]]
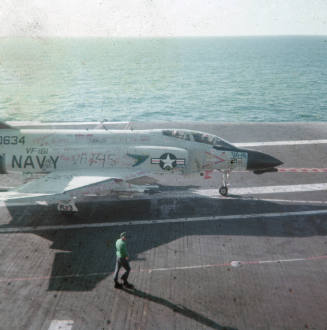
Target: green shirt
[[121, 249]]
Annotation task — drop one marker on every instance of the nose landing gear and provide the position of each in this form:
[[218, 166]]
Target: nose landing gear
[[223, 190]]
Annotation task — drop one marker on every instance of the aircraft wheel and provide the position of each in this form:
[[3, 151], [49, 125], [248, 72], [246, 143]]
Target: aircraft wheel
[[223, 190], [67, 214]]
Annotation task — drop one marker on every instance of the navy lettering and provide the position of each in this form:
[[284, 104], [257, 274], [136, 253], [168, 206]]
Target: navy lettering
[[29, 162], [15, 161], [40, 163], [54, 161]]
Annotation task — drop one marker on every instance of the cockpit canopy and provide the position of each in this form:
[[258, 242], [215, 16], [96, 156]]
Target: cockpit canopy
[[200, 137]]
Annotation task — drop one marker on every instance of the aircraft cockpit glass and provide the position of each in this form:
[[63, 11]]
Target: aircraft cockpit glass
[[213, 140], [177, 134], [222, 144]]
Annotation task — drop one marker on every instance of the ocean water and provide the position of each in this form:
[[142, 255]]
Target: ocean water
[[231, 79]]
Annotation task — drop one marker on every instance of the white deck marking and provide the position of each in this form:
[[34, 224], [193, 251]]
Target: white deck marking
[[211, 193], [285, 200], [265, 190], [61, 325], [63, 124], [234, 264], [280, 189], [279, 143], [153, 222]]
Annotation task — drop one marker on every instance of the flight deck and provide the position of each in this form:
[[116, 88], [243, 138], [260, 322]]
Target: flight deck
[[256, 259]]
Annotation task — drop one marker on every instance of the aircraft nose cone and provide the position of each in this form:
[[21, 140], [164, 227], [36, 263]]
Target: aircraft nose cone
[[260, 161]]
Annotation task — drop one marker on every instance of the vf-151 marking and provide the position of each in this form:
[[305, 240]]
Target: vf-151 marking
[[78, 162]]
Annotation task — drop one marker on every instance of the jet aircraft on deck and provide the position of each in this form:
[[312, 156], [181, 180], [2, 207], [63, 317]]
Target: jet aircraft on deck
[[74, 162]]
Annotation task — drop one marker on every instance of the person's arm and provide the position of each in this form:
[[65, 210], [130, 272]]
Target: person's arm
[[124, 252]]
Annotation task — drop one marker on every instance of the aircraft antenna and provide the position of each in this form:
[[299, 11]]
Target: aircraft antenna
[[104, 120], [101, 125], [129, 125]]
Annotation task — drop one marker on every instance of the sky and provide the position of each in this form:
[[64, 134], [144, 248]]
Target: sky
[[161, 18]]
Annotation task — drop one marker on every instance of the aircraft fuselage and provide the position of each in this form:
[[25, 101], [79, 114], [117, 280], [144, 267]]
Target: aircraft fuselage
[[35, 151]]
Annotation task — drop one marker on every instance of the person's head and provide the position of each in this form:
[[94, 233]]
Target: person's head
[[123, 236]]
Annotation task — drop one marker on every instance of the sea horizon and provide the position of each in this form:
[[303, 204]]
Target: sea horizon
[[190, 78]]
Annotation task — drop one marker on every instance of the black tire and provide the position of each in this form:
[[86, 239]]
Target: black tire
[[67, 214], [223, 190]]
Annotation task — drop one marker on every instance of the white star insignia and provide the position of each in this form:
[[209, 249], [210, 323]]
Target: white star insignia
[[168, 162]]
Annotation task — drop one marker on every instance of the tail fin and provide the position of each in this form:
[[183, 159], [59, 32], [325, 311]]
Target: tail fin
[[4, 125]]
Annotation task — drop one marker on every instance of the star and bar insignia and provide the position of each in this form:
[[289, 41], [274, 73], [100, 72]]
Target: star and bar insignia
[[168, 161]]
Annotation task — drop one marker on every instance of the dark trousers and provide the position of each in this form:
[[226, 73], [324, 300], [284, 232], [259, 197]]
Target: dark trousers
[[122, 262]]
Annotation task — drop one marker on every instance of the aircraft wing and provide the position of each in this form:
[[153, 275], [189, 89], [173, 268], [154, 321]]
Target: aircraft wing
[[61, 182]]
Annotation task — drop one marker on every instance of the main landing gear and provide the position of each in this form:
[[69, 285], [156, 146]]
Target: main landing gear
[[223, 190]]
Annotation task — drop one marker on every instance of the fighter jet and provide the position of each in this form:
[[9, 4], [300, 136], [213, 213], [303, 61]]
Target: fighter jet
[[70, 163]]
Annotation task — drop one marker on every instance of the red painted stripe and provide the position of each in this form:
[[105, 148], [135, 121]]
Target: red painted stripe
[[303, 170], [207, 174]]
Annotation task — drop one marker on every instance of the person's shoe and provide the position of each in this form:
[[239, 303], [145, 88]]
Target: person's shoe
[[118, 285], [128, 285]]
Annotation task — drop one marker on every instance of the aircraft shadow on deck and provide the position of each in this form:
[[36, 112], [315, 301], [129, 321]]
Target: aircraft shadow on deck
[[88, 254]]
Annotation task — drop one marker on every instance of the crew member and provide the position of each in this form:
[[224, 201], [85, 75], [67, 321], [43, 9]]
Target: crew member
[[122, 261]]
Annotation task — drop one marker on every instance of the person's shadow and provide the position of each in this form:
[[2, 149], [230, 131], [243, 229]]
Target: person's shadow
[[177, 309]]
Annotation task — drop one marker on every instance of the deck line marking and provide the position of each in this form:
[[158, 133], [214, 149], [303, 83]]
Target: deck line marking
[[152, 222], [68, 123], [279, 189], [61, 325], [258, 262], [286, 200], [184, 268], [279, 143], [150, 270], [265, 189], [211, 192], [301, 170], [208, 173]]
